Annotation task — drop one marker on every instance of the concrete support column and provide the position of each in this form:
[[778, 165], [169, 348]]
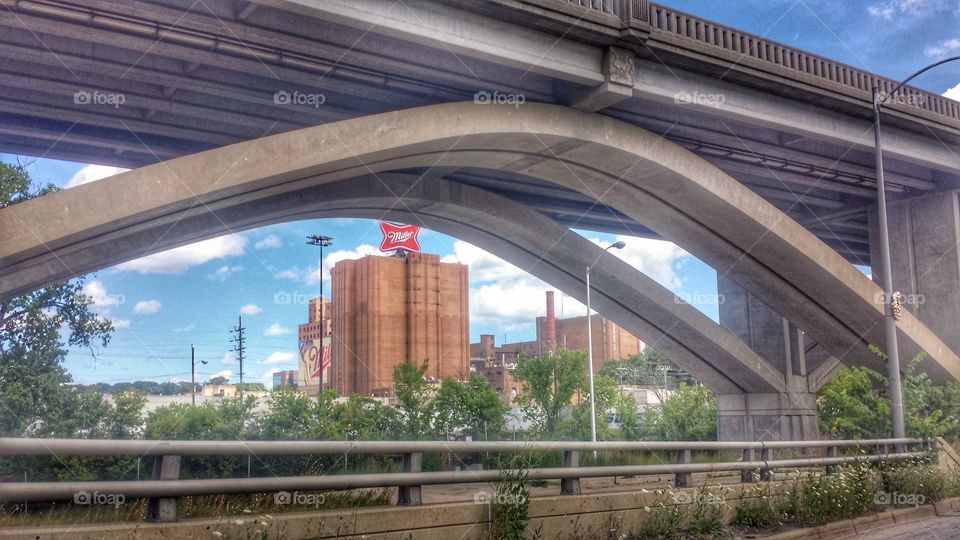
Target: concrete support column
[[765, 416], [924, 237]]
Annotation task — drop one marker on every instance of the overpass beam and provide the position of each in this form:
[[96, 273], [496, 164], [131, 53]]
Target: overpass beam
[[789, 415], [924, 239], [618, 69]]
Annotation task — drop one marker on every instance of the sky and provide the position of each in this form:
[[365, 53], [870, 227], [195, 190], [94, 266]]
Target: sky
[[163, 303]]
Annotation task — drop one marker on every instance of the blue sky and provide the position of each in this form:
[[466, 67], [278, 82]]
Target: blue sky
[[163, 304]]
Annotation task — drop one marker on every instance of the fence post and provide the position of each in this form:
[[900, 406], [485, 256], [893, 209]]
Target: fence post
[[831, 453], [746, 475], [766, 455], [164, 509], [411, 495], [683, 479], [570, 486]]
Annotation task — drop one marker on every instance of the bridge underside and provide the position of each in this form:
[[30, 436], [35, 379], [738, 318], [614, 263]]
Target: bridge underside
[[196, 77], [633, 172]]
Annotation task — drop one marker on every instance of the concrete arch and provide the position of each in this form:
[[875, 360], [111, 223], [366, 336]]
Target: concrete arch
[[656, 182], [521, 236]]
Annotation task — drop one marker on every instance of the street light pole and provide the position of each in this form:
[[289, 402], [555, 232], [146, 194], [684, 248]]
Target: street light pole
[[890, 319], [193, 375], [593, 401]]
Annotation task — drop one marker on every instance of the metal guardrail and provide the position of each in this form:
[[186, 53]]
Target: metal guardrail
[[166, 486], [670, 21]]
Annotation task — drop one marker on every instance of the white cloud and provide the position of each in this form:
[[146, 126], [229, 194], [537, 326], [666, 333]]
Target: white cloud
[[250, 309], [225, 373], [483, 266], [269, 241], [655, 258], [943, 48], [310, 275], [101, 298], [225, 271], [279, 358], [175, 261], [276, 330], [516, 303], [186, 328], [888, 9], [228, 358], [120, 323], [146, 307], [953, 93], [91, 173]]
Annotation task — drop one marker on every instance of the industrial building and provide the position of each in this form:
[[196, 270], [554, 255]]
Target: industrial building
[[386, 310]]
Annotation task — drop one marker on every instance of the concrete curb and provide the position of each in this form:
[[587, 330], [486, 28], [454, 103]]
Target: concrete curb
[[872, 522]]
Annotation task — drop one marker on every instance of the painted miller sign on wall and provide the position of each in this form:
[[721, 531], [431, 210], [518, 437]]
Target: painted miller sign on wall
[[399, 237]]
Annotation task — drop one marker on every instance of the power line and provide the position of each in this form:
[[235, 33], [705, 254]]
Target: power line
[[238, 340]]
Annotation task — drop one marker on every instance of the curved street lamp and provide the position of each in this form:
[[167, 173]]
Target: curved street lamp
[[593, 402], [890, 321]]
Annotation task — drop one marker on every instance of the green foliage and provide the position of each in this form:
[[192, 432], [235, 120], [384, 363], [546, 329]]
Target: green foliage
[[223, 421], [854, 404], [473, 408], [219, 379], [689, 414], [511, 507], [411, 390], [646, 368], [919, 477], [578, 428], [848, 493], [549, 384]]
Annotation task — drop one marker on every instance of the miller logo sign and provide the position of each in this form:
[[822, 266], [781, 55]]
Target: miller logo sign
[[399, 237]]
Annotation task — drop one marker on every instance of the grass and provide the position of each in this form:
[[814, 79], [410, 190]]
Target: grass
[[68, 513]]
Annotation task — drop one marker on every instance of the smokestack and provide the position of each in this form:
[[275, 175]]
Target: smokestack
[[551, 337]]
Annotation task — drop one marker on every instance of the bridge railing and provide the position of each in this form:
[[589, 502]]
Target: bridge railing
[[756, 461], [723, 38]]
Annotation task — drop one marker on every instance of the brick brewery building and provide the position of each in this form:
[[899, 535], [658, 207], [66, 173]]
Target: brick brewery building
[[386, 310], [312, 335], [610, 342]]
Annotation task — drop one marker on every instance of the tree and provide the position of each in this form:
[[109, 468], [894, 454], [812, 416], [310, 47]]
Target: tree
[[548, 385], [607, 397], [34, 328], [411, 390], [219, 379], [472, 408], [690, 414]]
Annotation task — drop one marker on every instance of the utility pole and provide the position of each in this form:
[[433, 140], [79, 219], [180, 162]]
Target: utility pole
[[322, 241], [193, 375], [238, 347]]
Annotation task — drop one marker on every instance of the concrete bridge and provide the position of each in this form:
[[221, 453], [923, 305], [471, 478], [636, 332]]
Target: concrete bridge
[[751, 155]]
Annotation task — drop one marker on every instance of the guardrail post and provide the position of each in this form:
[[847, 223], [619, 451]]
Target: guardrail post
[[570, 486], [164, 509], [746, 475], [766, 455], [411, 495], [683, 479], [831, 453]]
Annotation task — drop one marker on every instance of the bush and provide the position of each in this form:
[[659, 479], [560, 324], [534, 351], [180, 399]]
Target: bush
[[918, 478]]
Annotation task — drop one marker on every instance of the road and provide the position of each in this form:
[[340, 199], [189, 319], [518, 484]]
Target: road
[[932, 528]]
